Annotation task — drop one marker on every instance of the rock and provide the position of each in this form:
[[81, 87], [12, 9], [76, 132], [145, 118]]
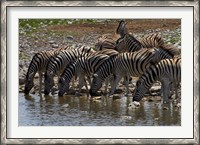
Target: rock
[[54, 45], [134, 105], [65, 106], [36, 76], [51, 42], [96, 98], [118, 91], [178, 105], [21, 89], [156, 119], [69, 37], [116, 97], [165, 108], [155, 98]]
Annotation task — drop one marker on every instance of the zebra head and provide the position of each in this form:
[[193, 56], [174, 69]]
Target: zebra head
[[95, 85], [161, 54], [140, 90], [28, 85], [122, 29], [48, 82], [120, 44], [62, 86]]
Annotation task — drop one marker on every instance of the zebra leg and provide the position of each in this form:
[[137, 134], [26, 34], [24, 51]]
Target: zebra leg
[[126, 84], [176, 91], [166, 91], [86, 86], [106, 86], [73, 82], [40, 82], [117, 79], [89, 80], [80, 85]]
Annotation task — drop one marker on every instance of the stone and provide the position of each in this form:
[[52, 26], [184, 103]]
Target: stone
[[165, 108], [116, 97], [69, 37], [65, 106], [54, 45]]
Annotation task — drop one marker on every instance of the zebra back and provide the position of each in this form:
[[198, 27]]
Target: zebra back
[[110, 52], [152, 40], [171, 49], [135, 63], [165, 70], [128, 43], [105, 44]]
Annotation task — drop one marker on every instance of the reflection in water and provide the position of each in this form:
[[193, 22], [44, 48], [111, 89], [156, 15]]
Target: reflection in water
[[43, 110]]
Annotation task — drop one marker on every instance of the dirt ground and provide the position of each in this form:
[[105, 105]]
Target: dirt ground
[[134, 26]]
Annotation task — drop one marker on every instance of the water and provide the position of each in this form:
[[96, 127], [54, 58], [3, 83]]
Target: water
[[35, 110]]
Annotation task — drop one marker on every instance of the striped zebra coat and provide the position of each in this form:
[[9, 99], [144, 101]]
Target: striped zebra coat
[[84, 66], [58, 63], [167, 71], [126, 65], [39, 64]]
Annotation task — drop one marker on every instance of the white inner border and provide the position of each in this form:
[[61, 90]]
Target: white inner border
[[183, 131]]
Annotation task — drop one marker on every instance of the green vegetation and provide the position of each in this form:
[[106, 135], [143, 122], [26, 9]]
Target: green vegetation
[[22, 56], [36, 23], [28, 27]]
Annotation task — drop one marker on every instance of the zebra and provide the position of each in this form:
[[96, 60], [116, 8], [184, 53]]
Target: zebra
[[84, 66], [167, 71], [127, 64], [38, 64], [57, 64]]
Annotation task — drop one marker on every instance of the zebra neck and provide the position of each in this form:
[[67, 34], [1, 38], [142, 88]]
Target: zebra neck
[[151, 75]]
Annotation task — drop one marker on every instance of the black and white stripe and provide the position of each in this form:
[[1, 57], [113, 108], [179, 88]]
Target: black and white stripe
[[128, 43], [58, 63], [126, 65], [39, 64], [152, 40], [84, 66], [167, 71]]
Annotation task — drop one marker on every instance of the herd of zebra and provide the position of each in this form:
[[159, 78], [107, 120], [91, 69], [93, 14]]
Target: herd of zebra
[[148, 59]]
